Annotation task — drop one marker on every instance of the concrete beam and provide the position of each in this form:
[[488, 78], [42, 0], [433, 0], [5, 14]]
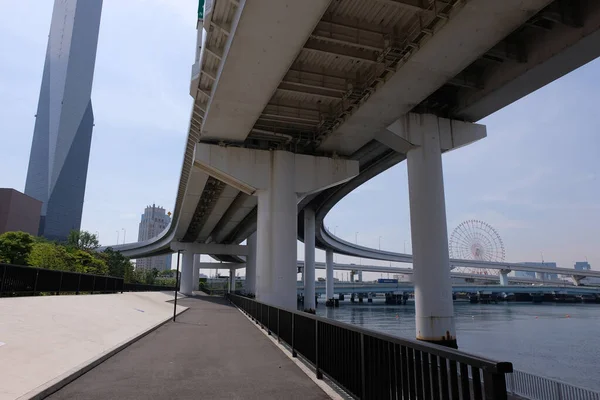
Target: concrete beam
[[452, 133], [249, 170], [216, 265], [210, 248], [440, 57]]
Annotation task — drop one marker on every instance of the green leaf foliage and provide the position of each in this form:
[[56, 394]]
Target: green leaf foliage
[[15, 247], [76, 255], [82, 240], [51, 256], [118, 264]]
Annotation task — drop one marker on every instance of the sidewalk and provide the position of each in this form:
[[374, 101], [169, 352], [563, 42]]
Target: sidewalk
[[211, 352], [45, 338]]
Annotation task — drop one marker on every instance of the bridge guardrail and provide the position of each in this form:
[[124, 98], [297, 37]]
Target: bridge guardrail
[[372, 365], [533, 387], [18, 280]]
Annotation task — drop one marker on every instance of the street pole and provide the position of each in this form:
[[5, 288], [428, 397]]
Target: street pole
[[176, 286], [356, 242], [124, 233], [118, 236], [334, 234]]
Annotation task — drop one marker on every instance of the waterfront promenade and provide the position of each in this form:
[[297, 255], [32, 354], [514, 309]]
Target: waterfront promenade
[[46, 339], [212, 351]]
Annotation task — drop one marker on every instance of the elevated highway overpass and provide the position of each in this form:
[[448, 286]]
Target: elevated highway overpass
[[360, 83]]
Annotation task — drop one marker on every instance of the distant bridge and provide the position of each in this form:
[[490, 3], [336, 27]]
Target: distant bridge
[[363, 287]]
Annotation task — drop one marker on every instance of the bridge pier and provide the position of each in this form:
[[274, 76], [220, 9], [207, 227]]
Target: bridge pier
[[504, 277], [309, 260], [277, 178], [196, 274], [329, 278], [251, 265], [540, 275], [186, 285], [428, 135], [231, 280]]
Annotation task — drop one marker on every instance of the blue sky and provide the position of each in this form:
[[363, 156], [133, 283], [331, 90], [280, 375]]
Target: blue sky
[[535, 178]]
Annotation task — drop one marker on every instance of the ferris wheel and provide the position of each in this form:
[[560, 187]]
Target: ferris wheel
[[476, 240]]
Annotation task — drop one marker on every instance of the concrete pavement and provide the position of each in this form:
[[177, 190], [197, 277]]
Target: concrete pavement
[[211, 352], [46, 338]]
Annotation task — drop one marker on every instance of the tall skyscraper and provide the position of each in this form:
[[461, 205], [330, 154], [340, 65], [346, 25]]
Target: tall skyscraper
[[154, 221], [62, 136]]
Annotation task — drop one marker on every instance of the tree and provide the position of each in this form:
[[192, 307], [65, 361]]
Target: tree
[[51, 256], [85, 262], [15, 247], [82, 240], [168, 273], [150, 276], [118, 264]]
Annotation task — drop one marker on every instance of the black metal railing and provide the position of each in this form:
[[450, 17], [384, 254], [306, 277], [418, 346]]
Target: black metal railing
[[141, 287], [17, 280], [372, 365], [213, 291]]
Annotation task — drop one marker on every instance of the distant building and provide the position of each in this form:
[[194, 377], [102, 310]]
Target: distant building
[[19, 212], [585, 266], [531, 274], [154, 221], [582, 266]]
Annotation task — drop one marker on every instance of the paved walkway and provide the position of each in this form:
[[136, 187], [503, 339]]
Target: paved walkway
[[211, 352], [44, 338]]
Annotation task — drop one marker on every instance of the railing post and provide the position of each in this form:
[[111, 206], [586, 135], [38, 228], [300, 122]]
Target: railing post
[[363, 372], [78, 283], [317, 369], [278, 330], [60, 283], [93, 284], [37, 272], [3, 279], [494, 385], [293, 336], [269, 320]]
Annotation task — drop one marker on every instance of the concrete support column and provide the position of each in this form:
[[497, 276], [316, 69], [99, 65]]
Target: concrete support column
[[309, 260], [231, 280], [504, 277], [196, 276], [251, 265], [360, 276], [276, 235], [187, 273], [277, 178], [540, 275], [433, 286], [329, 274]]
